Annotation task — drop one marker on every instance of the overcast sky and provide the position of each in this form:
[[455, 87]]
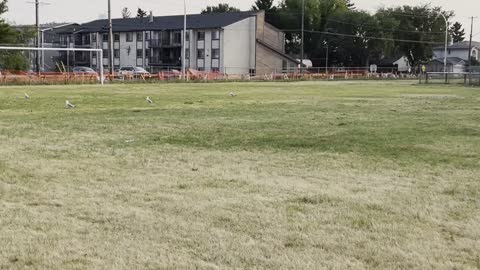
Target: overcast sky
[[22, 12]]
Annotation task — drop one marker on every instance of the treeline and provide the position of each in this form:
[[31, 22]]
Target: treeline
[[355, 37]]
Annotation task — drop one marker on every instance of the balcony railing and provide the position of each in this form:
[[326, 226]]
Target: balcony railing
[[158, 61], [155, 43]]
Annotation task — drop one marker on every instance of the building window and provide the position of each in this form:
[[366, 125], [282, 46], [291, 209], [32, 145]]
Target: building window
[[215, 69], [187, 54], [139, 53], [187, 36], [216, 35], [105, 53], [94, 37], [201, 36], [94, 54], [177, 38], [116, 53], [201, 54], [116, 37], [140, 36], [105, 37], [147, 53], [147, 36], [215, 53], [129, 37]]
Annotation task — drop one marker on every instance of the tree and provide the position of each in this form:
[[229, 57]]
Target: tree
[[126, 13], [141, 13], [221, 8], [414, 29], [12, 60], [458, 33], [266, 5], [350, 5]]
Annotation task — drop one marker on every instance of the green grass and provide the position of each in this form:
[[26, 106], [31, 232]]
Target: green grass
[[305, 175]]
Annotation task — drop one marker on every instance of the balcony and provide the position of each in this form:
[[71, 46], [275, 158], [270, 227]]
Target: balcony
[[166, 62], [165, 43]]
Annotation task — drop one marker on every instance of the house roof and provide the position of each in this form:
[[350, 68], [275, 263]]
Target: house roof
[[450, 60], [278, 52], [464, 45], [194, 21]]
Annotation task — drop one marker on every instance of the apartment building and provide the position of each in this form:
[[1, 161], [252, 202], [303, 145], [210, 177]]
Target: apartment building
[[233, 43]]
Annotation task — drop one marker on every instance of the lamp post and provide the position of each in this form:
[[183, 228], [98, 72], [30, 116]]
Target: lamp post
[[446, 47], [184, 56]]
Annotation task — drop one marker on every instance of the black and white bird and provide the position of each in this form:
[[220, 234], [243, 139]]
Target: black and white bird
[[69, 105], [148, 100], [232, 94], [27, 96]]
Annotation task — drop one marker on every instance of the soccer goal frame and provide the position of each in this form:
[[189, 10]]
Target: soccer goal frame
[[99, 51]]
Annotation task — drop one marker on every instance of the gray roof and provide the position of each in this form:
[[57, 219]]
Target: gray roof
[[464, 45], [195, 21], [450, 60]]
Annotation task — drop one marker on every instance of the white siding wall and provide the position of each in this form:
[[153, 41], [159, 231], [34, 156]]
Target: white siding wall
[[238, 51], [462, 54]]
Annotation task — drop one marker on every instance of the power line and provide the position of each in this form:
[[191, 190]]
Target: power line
[[367, 24], [366, 37]]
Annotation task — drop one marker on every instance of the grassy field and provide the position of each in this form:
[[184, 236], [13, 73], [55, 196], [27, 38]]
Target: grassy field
[[302, 175]]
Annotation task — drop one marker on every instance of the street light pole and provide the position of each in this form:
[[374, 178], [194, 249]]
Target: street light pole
[[446, 48], [184, 56]]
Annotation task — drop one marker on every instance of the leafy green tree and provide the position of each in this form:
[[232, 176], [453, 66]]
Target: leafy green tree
[[221, 8], [126, 13], [458, 33], [350, 5], [141, 13], [267, 5], [317, 13], [415, 30], [12, 60]]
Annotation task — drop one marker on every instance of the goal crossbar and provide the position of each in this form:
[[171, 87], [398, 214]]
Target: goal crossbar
[[100, 51]]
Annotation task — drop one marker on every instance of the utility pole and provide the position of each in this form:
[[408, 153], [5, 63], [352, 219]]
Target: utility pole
[[184, 56], [470, 51], [37, 24], [110, 39], [302, 53]]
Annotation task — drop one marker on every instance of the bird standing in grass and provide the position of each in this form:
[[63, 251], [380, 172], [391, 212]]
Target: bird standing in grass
[[69, 105], [232, 94], [148, 100], [27, 96]]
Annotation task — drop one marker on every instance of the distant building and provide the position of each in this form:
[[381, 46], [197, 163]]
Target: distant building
[[457, 57], [458, 50], [394, 64], [234, 43]]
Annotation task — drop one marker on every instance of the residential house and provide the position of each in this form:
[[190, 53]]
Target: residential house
[[457, 57]]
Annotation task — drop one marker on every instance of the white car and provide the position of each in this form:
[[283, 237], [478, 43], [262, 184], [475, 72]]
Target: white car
[[134, 71]]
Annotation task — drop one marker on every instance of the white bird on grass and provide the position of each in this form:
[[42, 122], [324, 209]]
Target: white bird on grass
[[232, 94], [148, 100], [69, 105], [27, 96]]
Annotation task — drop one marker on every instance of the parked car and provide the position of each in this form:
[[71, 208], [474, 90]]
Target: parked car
[[134, 71], [85, 70]]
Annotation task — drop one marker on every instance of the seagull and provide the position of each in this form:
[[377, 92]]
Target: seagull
[[27, 96], [148, 100], [232, 94], [69, 105]]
